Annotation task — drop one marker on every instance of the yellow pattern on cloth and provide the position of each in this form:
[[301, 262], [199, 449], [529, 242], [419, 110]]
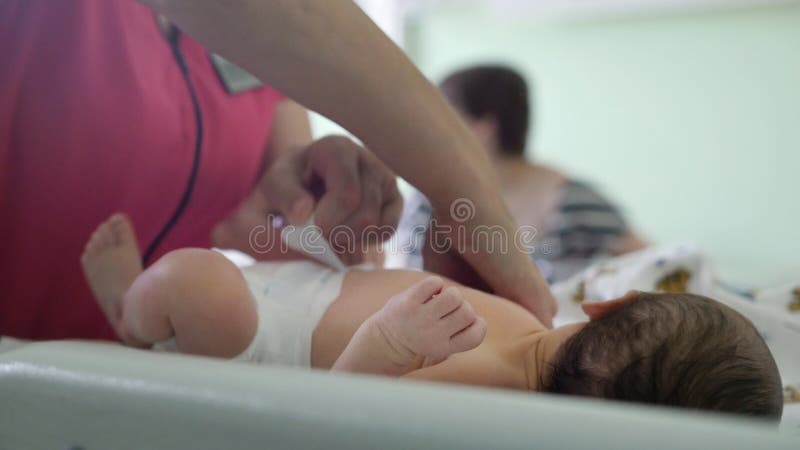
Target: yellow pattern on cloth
[[676, 282], [792, 395], [580, 294], [794, 305]]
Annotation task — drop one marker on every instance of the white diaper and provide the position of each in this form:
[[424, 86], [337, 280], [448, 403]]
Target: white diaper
[[291, 299]]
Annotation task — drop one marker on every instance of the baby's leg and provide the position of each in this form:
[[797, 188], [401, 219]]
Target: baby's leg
[[197, 296]]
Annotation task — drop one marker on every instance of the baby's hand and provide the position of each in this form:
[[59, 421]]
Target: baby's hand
[[427, 321]]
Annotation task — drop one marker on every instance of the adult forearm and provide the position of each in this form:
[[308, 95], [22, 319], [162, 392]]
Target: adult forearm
[[291, 129], [329, 56]]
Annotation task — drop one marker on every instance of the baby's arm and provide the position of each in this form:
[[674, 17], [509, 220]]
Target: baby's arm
[[419, 327]]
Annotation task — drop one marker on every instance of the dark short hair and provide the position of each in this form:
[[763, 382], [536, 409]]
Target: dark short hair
[[497, 92], [674, 350]]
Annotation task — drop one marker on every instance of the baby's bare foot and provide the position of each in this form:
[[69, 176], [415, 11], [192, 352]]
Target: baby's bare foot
[[111, 262]]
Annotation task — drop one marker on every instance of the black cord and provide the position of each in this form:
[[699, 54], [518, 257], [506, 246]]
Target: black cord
[[174, 41]]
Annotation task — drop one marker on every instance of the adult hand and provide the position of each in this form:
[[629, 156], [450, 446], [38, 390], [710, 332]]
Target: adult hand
[[347, 189], [542, 304], [352, 194], [516, 270]]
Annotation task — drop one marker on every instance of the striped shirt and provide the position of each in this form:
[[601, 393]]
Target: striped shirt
[[582, 229]]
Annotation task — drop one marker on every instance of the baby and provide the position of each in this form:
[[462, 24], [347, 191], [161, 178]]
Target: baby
[[668, 349]]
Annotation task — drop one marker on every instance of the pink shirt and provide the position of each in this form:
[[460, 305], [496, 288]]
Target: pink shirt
[[95, 118]]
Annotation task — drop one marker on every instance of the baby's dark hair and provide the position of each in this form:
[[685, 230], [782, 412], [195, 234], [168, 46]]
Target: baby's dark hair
[[674, 350]]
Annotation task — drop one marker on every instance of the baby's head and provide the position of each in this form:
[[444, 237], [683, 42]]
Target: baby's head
[[668, 349]]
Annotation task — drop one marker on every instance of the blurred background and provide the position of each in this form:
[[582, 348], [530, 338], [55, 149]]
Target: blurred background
[[685, 112]]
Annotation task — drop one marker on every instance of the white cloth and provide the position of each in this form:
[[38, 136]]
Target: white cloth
[[770, 309], [307, 239]]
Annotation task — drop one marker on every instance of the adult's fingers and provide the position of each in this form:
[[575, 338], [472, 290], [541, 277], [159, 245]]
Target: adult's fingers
[[392, 208], [334, 160], [364, 223], [544, 308], [283, 188]]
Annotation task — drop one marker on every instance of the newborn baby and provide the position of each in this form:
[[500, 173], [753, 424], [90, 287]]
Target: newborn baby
[[668, 349]]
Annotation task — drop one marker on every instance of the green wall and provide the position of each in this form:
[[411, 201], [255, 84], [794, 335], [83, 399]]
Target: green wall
[[690, 122]]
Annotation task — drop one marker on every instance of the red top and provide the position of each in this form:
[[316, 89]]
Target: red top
[[96, 118]]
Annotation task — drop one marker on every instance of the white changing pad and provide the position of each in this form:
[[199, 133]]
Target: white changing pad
[[64, 395]]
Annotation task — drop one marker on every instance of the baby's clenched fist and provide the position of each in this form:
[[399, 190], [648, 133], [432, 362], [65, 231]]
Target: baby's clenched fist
[[429, 321]]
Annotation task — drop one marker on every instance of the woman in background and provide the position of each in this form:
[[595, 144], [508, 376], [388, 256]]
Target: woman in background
[[577, 222]]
